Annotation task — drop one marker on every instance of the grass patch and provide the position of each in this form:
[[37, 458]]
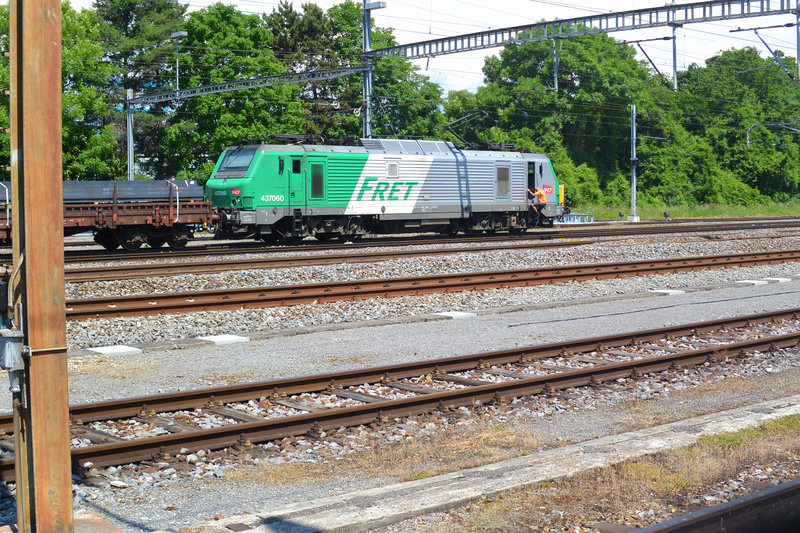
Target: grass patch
[[658, 479], [406, 461], [779, 427], [604, 212], [669, 484], [444, 453]]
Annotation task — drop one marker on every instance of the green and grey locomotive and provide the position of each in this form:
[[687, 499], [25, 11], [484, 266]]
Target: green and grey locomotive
[[282, 193]]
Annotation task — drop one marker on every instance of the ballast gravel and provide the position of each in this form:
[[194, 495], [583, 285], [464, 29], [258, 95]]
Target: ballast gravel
[[198, 486], [104, 332], [195, 487]]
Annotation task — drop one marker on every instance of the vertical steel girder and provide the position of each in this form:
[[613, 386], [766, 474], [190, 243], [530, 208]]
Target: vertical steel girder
[[669, 15], [366, 90], [41, 416]]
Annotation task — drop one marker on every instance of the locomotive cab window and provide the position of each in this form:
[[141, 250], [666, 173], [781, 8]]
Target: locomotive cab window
[[296, 166], [236, 160], [503, 187], [392, 170], [317, 180]]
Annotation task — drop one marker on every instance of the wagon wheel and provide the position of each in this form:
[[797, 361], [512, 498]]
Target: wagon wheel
[[177, 242], [156, 242], [131, 244], [178, 239], [106, 239]]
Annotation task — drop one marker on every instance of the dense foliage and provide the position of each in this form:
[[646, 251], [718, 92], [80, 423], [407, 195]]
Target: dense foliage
[[692, 145]]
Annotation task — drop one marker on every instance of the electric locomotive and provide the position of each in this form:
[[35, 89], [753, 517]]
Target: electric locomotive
[[283, 193]]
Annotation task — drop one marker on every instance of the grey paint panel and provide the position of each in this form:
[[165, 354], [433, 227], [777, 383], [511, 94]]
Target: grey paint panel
[[267, 216]]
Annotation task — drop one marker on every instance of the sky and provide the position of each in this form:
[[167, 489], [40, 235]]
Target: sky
[[419, 20]]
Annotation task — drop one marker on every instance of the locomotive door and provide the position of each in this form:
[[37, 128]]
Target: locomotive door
[[297, 184], [536, 178]]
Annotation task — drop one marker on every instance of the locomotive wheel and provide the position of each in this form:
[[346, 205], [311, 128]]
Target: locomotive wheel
[[156, 242], [322, 237]]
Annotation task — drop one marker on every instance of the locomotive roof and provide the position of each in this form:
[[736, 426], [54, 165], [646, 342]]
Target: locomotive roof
[[397, 146]]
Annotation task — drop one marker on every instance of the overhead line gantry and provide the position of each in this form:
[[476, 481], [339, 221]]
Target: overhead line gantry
[[637, 19]]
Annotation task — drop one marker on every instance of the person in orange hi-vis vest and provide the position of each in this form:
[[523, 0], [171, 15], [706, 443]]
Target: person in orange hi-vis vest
[[539, 200]]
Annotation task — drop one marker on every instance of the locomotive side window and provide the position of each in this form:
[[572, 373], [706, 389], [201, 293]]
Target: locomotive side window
[[503, 182], [392, 170], [296, 166], [317, 181]]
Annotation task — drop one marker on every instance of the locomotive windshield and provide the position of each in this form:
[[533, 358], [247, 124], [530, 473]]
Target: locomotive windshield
[[237, 160]]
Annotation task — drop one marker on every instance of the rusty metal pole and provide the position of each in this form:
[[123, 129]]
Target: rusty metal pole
[[43, 469]]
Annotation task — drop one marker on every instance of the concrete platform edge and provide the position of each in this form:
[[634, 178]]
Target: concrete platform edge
[[380, 506]]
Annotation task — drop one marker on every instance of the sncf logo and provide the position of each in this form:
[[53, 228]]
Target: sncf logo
[[236, 192], [548, 189]]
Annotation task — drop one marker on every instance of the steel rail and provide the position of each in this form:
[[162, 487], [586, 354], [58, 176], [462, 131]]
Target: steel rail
[[593, 231], [106, 273], [275, 388], [244, 434], [288, 295]]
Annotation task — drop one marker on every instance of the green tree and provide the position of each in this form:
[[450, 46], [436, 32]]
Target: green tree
[[89, 139], [737, 89], [405, 103], [225, 45], [138, 44]]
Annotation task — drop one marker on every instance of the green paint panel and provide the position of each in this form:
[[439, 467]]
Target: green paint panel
[[264, 186]]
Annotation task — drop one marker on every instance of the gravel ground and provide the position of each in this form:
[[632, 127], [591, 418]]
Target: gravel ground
[[144, 501], [138, 501], [200, 487], [104, 332]]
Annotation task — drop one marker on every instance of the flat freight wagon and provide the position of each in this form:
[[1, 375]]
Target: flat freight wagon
[[126, 213]]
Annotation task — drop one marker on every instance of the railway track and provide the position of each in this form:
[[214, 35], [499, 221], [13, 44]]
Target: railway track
[[161, 426], [287, 295], [133, 271], [594, 231]]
